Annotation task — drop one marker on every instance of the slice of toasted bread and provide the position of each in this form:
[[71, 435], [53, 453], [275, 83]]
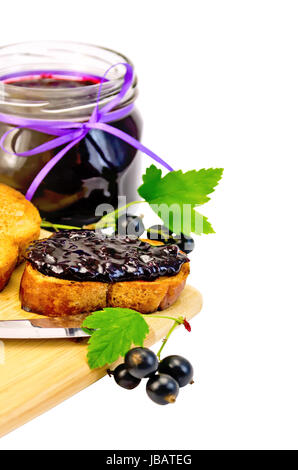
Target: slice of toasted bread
[[19, 226], [51, 296]]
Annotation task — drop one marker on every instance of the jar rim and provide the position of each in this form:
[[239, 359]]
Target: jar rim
[[69, 103]]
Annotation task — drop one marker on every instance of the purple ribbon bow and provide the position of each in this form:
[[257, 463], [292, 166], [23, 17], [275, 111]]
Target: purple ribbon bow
[[70, 133]]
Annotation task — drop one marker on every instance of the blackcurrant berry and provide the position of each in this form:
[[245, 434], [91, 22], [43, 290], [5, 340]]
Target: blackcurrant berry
[[149, 376], [162, 389], [129, 225], [186, 244], [160, 233], [141, 362], [177, 367], [124, 378]]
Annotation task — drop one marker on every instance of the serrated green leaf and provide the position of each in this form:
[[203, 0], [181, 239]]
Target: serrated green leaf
[[152, 174], [191, 187], [207, 227], [116, 329], [175, 196], [191, 222]]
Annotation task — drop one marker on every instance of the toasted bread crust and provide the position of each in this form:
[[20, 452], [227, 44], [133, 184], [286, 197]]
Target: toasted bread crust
[[19, 226], [51, 296], [8, 258]]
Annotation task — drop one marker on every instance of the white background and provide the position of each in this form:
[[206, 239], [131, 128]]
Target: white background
[[218, 87]]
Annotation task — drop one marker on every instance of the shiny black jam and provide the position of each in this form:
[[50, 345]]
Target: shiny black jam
[[86, 256], [95, 171]]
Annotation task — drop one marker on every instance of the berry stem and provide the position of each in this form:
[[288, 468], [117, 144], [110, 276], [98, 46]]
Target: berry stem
[[166, 338], [179, 320], [56, 227], [108, 220]]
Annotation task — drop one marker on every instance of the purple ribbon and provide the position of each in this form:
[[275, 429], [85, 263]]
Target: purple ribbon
[[70, 133]]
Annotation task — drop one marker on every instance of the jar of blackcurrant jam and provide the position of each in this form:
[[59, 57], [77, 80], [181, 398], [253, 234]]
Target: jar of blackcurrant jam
[[60, 81]]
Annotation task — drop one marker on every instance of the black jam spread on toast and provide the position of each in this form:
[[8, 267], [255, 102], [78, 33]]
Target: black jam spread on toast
[[87, 256]]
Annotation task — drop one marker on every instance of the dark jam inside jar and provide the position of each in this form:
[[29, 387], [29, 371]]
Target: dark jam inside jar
[[95, 171], [51, 80]]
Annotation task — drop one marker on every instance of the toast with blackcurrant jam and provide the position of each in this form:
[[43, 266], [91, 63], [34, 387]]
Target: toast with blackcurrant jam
[[75, 272], [19, 226]]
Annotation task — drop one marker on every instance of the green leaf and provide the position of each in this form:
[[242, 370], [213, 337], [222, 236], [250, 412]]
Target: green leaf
[[175, 196], [191, 222], [207, 227], [116, 329], [191, 187], [152, 174]]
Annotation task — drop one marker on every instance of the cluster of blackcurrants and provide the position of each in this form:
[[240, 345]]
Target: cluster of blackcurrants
[[133, 225], [164, 378]]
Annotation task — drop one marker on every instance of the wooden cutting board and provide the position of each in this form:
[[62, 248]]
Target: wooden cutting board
[[36, 375]]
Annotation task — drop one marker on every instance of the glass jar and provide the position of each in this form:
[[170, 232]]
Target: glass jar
[[53, 80]]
